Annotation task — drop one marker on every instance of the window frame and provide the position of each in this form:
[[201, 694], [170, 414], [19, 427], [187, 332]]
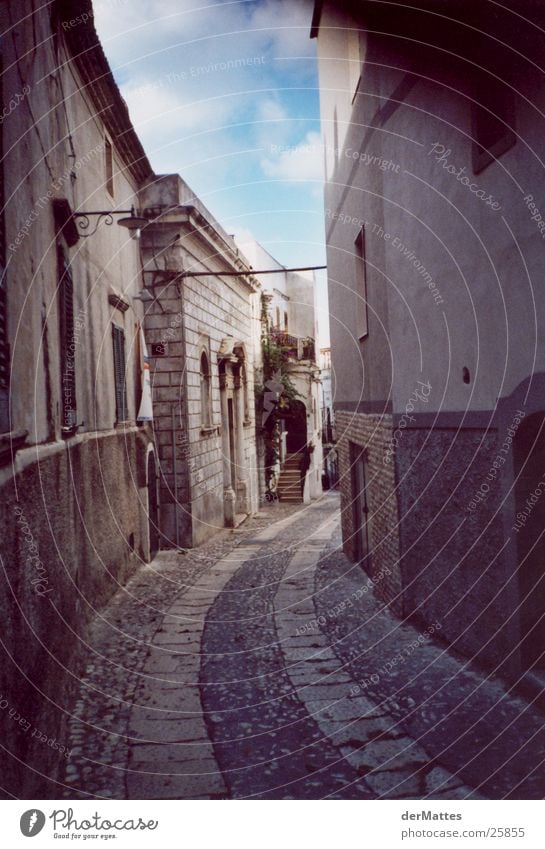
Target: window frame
[[488, 94], [67, 345], [109, 167], [360, 293], [120, 374], [354, 63], [206, 391], [5, 353]]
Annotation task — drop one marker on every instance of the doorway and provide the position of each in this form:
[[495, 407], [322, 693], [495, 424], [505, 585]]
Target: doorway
[[529, 456], [296, 424], [153, 506], [231, 419], [360, 508]]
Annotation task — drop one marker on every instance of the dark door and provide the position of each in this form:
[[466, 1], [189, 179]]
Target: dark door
[[530, 537], [231, 415], [296, 425], [360, 509], [153, 506]]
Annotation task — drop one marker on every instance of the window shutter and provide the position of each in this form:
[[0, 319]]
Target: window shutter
[[4, 344], [67, 346], [4, 347], [118, 337]]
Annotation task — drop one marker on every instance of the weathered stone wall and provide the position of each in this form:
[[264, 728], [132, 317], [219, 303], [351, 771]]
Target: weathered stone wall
[[191, 316], [72, 507], [215, 309], [73, 530], [447, 561], [163, 327], [373, 433], [453, 564]]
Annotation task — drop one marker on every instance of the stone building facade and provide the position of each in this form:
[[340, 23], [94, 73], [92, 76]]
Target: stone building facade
[[201, 333], [291, 321], [433, 144], [331, 463]]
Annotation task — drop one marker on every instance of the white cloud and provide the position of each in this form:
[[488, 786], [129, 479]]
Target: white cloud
[[288, 23], [245, 241], [303, 161], [156, 109], [222, 128], [153, 33]]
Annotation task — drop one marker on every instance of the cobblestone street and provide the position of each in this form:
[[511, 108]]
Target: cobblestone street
[[261, 665]]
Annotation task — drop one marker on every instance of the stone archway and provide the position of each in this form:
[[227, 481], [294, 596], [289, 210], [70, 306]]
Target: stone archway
[[296, 425]]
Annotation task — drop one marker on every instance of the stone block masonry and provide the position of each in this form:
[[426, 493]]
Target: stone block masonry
[[454, 563], [374, 434]]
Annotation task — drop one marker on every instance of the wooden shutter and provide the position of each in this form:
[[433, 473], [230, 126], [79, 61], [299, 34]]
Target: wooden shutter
[[67, 346], [4, 344], [118, 337], [4, 347]]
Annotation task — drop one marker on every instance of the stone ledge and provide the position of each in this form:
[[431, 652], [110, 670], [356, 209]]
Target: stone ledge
[[10, 443]]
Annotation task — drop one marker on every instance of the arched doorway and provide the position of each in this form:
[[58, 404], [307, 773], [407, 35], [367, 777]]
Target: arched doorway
[[529, 455], [296, 426], [153, 506]]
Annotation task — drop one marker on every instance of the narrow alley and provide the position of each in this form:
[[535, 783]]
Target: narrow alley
[[262, 666]]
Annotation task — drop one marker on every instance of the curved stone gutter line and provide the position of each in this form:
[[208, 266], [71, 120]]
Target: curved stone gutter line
[[392, 764], [170, 753], [276, 528]]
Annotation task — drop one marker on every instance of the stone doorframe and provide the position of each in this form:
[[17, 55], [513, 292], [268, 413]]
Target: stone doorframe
[[231, 364]]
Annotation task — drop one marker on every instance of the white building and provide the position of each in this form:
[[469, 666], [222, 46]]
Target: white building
[[291, 310], [331, 464]]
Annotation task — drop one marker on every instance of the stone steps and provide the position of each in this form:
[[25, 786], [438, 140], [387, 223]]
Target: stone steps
[[289, 482]]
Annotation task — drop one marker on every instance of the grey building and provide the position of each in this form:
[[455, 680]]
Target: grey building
[[435, 214]]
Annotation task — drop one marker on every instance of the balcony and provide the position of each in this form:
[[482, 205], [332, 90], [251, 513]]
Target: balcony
[[294, 347]]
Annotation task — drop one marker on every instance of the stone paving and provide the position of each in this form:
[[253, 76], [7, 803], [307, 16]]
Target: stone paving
[[261, 666]]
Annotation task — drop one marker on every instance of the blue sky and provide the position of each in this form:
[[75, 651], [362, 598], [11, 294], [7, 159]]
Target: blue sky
[[226, 94]]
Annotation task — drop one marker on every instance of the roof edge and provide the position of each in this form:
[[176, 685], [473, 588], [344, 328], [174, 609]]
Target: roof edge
[[89, 58], [316, 15]]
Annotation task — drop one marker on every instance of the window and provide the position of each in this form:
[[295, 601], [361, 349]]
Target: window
[[109, 166], [206, 413], [4, 359], [493, 121], [360, 291], [354, 62], [67, 345], [121, 411], [246, 394], [278, 317], [285, 322], [4, 344]]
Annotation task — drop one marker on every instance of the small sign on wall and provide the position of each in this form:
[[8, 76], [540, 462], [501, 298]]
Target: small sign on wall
[[158, 349]]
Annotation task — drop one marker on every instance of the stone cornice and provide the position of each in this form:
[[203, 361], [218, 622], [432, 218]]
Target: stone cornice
[[196, 224]]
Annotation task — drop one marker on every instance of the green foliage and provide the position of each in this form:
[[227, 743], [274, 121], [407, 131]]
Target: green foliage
[[276, 364], [275, 378]]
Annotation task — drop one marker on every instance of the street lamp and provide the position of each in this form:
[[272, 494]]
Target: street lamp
[[132, 222]]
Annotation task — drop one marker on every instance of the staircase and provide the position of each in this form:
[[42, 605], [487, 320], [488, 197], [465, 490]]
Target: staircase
[[289, 482]]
